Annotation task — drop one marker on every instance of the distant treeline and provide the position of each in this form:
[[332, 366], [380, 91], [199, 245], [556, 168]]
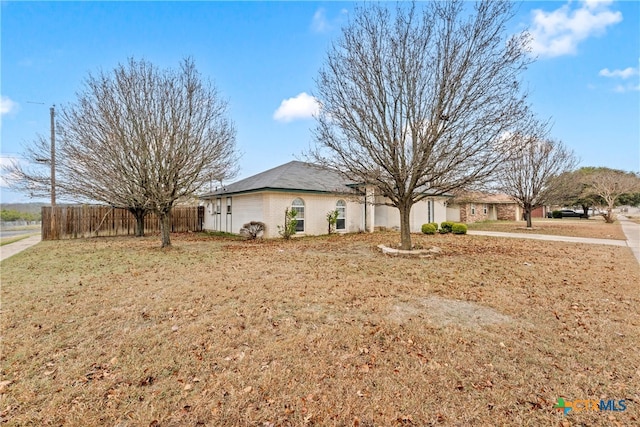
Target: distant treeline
[[8, 215]]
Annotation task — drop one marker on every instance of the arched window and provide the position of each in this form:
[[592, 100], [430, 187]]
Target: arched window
[[298, 206], [341, 207]]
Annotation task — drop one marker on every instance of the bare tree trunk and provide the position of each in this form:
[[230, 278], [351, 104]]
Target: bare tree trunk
[[527, 215], [585, 211], [405, 226], [165, 228], [140, 226], [609, 217], [139, 215]]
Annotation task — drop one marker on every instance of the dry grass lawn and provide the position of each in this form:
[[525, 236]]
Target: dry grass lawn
[[319, 331], [594, 227]]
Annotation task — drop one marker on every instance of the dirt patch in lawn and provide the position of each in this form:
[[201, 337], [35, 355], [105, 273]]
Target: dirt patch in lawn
[[593, 228], [317, 331], [444, 312]]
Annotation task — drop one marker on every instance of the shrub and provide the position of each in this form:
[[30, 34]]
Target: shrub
[[446, 227], [556, 214], [289, 228], [435, 225], [428, 229], [459, 228], [253, 230], [332, 219]]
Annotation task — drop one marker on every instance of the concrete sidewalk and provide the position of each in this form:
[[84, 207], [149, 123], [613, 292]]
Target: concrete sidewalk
[[587, 240], [632, 231], [11, 249]]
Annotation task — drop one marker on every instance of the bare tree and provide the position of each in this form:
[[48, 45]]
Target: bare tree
[[414, 100], [608, 185], [528, 175], [141, 138]]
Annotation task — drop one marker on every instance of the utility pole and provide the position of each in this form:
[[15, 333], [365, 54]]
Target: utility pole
[[54, 229], [52, 160]]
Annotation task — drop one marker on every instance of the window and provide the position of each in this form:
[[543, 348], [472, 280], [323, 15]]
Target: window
[[228, 205], [430, 213], [473, 209], [484, 209], [341, 207], [298, 206], [218, 208]]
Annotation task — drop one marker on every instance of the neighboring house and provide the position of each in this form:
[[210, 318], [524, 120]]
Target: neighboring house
[[312, 191], [477, 206]]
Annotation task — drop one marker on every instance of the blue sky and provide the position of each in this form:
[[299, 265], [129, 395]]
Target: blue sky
[[264, 57]]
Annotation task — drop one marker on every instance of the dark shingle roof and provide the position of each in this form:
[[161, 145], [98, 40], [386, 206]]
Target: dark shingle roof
[[293, 176]]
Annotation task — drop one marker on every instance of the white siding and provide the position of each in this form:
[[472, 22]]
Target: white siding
[[246, 208], [453, 213], [440, 209], [212, 220], [208, 214]]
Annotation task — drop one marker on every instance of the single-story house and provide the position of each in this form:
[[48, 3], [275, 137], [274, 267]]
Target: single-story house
[[475, 206], [312, 191]]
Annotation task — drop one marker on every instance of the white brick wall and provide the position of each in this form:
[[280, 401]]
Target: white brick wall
[[316, 207], [269, 208]]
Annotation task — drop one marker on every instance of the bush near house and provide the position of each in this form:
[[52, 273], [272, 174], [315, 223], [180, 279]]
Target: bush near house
[[429, 228], [289, 228], [253, 230], [332, 219], [459, 228], [446, 226]]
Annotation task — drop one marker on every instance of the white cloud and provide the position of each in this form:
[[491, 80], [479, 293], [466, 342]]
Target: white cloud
[[320, 23], [559, 32], [303, 106], [627, 88], [623, 74], [7, 105]]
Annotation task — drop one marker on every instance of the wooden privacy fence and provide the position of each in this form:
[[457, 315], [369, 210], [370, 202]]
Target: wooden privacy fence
[[74, 222]]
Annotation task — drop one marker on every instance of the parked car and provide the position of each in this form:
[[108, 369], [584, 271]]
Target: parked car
[[567, 213]]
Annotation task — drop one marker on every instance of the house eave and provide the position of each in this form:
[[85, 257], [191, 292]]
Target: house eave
[[215, 195]]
